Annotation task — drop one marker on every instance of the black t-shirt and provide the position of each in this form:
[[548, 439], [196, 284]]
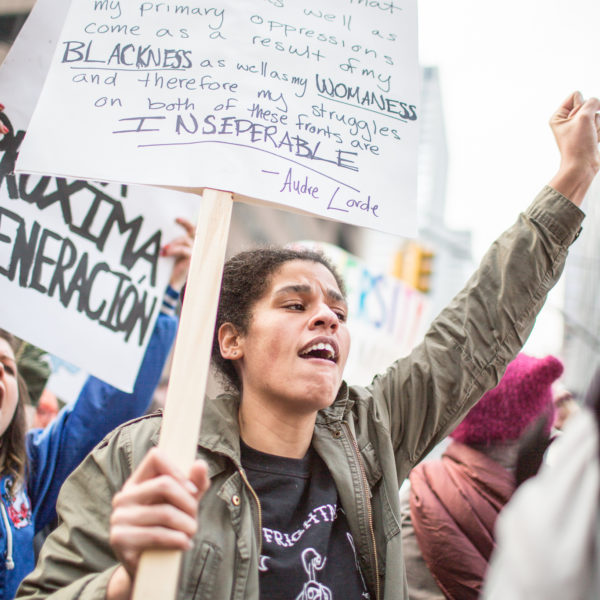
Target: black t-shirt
[[307, 548]]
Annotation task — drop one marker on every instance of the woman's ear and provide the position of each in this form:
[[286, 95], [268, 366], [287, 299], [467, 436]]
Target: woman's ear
[[230, 342]]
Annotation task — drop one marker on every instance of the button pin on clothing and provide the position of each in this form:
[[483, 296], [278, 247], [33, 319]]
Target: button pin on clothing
[[235, 499]]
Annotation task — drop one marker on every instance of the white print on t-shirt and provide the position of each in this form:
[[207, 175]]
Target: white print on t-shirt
[[262, 563], [321, 514], [350, 539], [312, 589]]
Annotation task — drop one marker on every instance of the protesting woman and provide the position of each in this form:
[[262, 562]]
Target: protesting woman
[[295, 493]]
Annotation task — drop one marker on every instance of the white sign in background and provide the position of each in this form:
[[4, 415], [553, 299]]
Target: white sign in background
[[309, 105], [80, 273]]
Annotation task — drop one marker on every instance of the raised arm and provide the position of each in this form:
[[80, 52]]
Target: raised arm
[[465, 352]]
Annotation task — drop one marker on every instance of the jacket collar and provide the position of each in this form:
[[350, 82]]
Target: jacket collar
[[220, 431], [338, 410]]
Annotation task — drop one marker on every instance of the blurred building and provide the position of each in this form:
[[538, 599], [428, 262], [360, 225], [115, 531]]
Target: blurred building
[[581, 313], [452, 261]]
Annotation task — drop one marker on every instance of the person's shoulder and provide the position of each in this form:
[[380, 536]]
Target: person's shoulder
[[142, 432]]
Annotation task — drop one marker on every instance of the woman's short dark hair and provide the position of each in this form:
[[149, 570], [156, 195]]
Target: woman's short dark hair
[[246, 278], [13, 455]]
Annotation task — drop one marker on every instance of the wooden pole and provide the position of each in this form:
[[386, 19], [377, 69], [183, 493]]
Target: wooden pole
[[158, 571]]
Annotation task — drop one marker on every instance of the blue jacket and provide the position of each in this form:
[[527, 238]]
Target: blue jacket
[[55, 451]]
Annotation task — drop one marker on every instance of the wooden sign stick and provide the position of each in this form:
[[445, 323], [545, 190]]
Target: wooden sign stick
[[158, 571]]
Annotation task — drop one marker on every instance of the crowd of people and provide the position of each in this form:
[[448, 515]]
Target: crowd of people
[[294, 493], [450, 507]]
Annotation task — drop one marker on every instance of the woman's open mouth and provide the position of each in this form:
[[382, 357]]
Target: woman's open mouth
[[320, 349]]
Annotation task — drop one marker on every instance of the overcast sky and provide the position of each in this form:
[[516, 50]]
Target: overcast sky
[[504, 68]]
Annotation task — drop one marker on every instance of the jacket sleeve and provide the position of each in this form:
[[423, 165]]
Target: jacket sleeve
[[423, 396], [77, 560], [56, 450]]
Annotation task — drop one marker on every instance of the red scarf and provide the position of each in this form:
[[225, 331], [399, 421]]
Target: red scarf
[[454, 503]]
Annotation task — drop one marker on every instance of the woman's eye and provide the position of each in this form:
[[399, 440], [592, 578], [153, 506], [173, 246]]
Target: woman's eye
[[295, 306], [9, 369], [341, 316]]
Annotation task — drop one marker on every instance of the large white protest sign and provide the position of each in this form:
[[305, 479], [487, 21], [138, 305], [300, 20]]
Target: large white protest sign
[[80, 273], [311, 105], [386, 317]]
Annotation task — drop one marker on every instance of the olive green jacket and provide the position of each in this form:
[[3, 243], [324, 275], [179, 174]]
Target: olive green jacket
[[369, 438]]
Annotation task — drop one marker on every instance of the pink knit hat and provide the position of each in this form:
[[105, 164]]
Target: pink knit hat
[[504, 412]]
